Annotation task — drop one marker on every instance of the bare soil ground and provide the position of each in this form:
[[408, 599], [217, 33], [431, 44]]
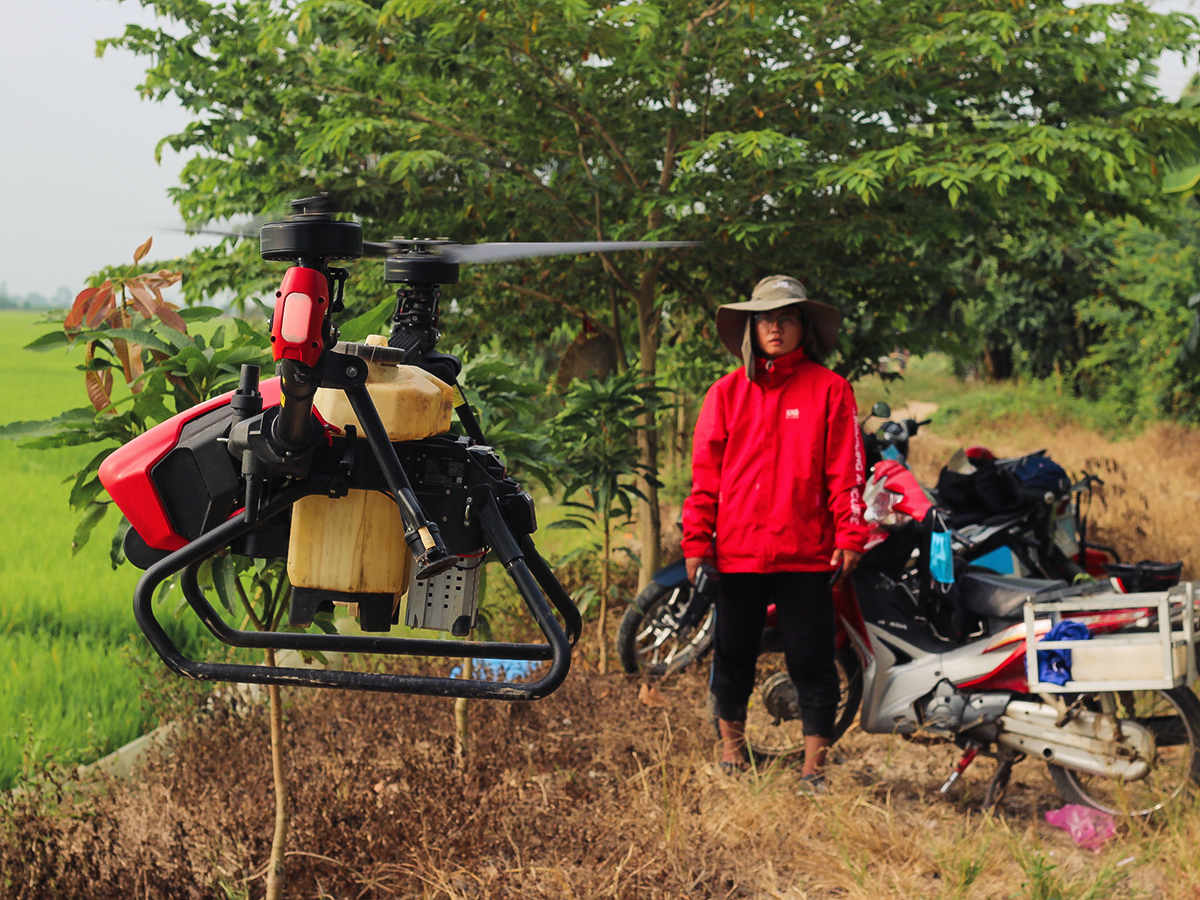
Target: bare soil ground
[[589, 793]]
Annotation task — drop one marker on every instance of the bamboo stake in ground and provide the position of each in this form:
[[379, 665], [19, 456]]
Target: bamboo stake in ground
[[462, 735], [275, 872]]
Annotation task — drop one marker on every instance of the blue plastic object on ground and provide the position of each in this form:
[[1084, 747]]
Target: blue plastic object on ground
[[499, 669], [1054, 666]]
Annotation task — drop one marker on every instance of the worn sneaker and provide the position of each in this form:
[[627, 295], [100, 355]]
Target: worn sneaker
[[813, 785]]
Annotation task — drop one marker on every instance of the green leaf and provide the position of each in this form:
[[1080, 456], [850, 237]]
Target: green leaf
[[192, 314], [1181, 180], [72, 419], [224, 579], [374, 321], [91, 517], [116, 549], [49, 340]]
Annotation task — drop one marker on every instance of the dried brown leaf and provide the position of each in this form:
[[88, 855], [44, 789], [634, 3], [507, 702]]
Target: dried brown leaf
[[142, 249], [99, 384], [117, 317], [75, 316], [100, 306], [649, 695], [143, 299], [136, 367], [166, 312], [121, 348]]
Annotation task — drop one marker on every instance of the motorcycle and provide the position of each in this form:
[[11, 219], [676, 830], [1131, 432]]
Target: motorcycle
[[1014, 524], [1028, 532], [1114, 745]]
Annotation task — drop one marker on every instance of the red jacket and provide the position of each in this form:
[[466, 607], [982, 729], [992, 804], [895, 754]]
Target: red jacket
[[777, 470]]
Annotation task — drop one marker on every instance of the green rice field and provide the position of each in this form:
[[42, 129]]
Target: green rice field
[[68, 641]]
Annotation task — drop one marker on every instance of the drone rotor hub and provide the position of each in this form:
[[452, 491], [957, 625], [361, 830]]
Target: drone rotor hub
[[419, 268], [311, 233]]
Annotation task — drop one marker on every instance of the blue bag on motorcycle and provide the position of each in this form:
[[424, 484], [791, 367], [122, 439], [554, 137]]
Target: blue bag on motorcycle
[[1037, 474]]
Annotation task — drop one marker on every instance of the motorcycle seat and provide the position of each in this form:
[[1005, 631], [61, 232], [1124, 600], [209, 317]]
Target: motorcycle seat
[[994, 596], [988, 594]]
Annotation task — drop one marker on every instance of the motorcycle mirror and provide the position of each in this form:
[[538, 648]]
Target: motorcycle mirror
[[881, 410]]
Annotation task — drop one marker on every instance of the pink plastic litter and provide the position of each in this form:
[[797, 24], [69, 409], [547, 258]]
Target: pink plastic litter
[[1089, 828]]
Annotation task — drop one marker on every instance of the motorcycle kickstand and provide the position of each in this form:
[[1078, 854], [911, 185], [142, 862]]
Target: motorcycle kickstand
[[999, 783]]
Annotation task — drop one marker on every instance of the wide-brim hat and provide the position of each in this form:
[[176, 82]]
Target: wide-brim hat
[[773, 292]]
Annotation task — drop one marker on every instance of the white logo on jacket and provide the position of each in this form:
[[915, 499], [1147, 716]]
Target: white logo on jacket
[[791, 414]]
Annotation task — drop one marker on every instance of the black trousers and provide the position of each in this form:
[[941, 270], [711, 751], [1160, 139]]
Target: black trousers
[[806, 624]]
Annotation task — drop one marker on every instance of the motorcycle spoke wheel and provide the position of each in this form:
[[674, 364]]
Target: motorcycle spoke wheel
[[1173, 716], [650, 640], [772, 735]]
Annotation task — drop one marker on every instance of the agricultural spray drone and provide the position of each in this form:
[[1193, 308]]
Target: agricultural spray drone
[[362, 505]]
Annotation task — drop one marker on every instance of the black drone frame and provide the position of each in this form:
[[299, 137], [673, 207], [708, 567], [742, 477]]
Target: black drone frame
[[285, 455]]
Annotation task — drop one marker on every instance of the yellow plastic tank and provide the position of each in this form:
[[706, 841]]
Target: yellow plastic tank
[[355, 544]]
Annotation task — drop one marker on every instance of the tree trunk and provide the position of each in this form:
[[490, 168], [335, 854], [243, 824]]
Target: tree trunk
[[462, 733], [601, 629], [275, 874]]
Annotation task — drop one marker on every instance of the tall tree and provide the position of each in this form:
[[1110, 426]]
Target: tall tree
[[887, 152]]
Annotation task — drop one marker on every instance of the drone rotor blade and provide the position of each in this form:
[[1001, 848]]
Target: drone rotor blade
[[215, 232], [506, 252]]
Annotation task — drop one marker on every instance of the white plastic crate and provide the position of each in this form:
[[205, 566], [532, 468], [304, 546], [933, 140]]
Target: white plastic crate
[[1155, 660]]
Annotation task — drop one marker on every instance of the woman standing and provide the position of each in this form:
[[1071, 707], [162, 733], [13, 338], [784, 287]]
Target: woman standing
[[776, 506]]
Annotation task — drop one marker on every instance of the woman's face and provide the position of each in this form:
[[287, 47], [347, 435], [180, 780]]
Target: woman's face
[[778, 331]]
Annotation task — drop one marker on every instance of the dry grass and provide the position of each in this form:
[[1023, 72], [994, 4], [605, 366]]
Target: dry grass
[[586, 794]]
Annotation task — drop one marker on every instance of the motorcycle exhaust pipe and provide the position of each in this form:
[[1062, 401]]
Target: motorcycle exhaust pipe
[[1088, 742]]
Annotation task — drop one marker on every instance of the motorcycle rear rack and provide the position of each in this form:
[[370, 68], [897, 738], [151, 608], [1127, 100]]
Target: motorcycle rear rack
[[1157, 658], [531, 575]]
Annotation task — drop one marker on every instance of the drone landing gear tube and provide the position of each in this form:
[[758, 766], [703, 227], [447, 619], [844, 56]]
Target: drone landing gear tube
[[498, 533], [421, 535]]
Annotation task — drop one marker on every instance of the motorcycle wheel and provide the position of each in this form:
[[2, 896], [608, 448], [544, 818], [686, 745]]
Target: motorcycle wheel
[[773, 725], [1174, 718], [649, 640]]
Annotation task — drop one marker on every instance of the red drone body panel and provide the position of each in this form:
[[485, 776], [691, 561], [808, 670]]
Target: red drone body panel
[[127, 473], [301, 304]]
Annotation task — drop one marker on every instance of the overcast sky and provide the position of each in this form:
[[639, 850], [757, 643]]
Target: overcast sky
[[80, 185]]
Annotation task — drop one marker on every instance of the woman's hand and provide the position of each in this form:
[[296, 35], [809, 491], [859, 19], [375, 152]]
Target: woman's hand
[[845, 561], [693, 566]]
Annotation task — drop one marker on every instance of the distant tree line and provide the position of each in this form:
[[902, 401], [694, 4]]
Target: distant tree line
[[61, 299]]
